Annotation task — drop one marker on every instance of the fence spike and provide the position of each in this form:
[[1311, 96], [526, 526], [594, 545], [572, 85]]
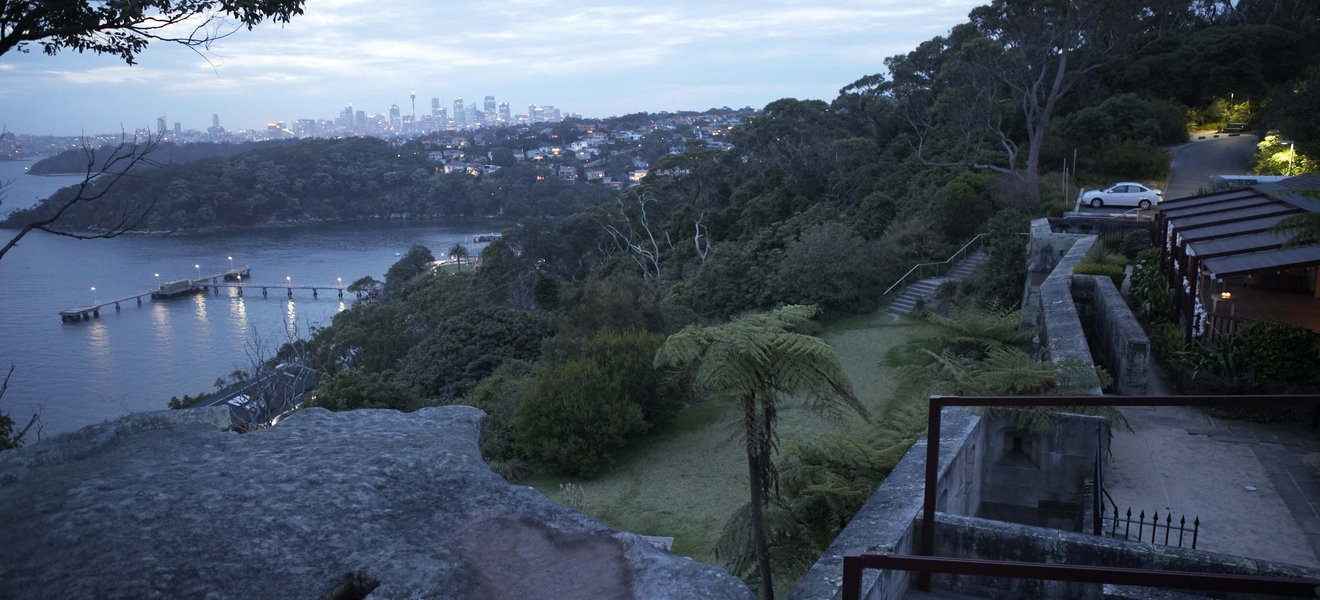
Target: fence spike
[[1182, 528], [1196, 529], [1168, 525], [1127, 527], [1141, 524], [1154, 525]]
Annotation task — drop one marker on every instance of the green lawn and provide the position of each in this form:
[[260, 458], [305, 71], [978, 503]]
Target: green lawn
[[687, 479]]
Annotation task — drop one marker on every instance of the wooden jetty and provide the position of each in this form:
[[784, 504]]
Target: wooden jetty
[[171, 289]]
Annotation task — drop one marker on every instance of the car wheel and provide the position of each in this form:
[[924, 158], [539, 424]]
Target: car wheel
[[1096, 203], [1144, 204]]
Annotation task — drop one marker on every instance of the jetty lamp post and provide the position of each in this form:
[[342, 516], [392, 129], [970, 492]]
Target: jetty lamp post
[[231, 263], [199, 270], [93, 295], [157, 280], [289, 279]]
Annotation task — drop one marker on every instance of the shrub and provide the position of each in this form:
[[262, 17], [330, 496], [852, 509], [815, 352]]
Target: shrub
[[1150, 294], [1277, 353], [947, 290], [1111, 271], [1134, 242], [498, 395], [627, 358], [574, 419]]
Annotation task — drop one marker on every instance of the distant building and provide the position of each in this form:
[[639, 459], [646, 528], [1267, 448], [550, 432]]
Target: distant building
[[504, 117], [460, 116], [396, 120]]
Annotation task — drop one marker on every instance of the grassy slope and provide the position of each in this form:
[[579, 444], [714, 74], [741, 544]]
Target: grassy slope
[[686, 480]]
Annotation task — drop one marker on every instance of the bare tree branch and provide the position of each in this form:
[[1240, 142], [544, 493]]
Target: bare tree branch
[[101, 174]]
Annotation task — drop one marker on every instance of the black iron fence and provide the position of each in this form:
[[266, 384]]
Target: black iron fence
[[1149, 531]]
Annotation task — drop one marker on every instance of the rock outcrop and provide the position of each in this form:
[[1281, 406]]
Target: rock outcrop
[[167, 505]]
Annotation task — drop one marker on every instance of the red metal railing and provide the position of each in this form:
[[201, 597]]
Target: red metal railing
[[937, 404], [856, 561]]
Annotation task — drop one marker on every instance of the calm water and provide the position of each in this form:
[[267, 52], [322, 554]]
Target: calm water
[[134, 359]]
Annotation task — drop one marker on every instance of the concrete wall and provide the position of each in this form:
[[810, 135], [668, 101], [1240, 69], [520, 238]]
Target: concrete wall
[[887, 522], [1063, 335], [972, 471], [1044, 251], [965, 537], [1120, 343], [1038, 478]]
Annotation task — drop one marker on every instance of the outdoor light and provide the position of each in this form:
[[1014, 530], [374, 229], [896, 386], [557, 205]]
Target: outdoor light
[[1226, 295], [94, 295]]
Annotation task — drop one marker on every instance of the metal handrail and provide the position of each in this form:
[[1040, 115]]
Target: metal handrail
[[923, 265]]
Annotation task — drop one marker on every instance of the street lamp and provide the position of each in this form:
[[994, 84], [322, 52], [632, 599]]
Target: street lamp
[[340, 281], [157, 280], [289, 279], [94, 302], [1292, 152], [231, 263], [199, 271]]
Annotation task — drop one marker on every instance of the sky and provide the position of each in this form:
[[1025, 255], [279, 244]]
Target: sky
[[595, 58]]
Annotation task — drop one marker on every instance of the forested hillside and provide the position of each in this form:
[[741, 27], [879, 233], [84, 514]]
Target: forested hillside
[[162, 154], [311, 181]]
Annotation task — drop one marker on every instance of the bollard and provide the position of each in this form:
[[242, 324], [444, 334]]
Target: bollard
[[290, 293], [116, 307], [240, 292], [341, 292], [313, 292], [263, 292], [139, 300]]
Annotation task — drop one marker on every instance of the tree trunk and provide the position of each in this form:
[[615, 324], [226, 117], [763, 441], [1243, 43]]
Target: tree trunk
[[756, 477]]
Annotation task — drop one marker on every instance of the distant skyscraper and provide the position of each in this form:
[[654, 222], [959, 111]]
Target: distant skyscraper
[[460, 116], [161, 127], [178, 128], [360, 119], [215, 120], [413, 95], [396, 122], [488, 111], [504, 116], [345, 117], [435, 107]]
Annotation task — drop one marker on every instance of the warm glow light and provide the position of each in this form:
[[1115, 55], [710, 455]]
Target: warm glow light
[[1226, 295]]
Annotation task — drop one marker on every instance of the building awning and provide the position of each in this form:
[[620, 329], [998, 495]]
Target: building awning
[[1251, 242], [1267, 260], [1188, 202], [1182, 224], [1231, 229], [1204, 209]]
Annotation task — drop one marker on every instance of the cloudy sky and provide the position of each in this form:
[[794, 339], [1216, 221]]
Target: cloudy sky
[[594, 58]]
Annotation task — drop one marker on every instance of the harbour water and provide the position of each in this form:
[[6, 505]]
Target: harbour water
[[136, 358]]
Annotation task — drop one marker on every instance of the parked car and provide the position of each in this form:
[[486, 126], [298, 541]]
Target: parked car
[[1124, 193]]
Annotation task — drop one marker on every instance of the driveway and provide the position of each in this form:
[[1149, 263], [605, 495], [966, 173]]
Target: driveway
[[1194, 163]]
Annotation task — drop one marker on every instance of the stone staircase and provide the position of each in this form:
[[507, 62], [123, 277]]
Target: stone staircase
[[925, 288]]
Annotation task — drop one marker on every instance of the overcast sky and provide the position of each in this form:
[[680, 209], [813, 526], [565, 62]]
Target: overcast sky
[[593, 58]]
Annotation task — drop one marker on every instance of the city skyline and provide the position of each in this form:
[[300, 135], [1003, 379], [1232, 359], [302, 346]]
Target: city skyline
[[592, 60]]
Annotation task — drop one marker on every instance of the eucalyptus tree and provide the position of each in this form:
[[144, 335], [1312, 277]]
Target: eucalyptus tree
[[761, 360]]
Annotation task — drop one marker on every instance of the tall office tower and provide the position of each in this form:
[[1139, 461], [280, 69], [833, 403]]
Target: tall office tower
[[442, 118], [345, 117], [532, 111], [396, 123], [215, 129], [475, 117], [215, 120], [435, 107], [161, 127], [489, 112], [413, 96], [504, 116], [360, 119], [460, 116], [178, 128]]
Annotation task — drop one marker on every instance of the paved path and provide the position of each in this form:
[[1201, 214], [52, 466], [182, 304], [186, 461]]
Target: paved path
[[1254, 487]]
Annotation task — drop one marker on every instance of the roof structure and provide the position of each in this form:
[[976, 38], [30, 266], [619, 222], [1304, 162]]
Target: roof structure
[[1234, 230]]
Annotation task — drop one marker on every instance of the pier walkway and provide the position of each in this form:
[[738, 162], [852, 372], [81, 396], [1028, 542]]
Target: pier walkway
[[195, 286]]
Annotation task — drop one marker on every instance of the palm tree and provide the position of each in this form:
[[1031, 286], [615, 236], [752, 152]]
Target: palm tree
[[758, 360], [459, 252]]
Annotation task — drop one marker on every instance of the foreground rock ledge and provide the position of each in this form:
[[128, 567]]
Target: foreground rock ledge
[[166, 505]]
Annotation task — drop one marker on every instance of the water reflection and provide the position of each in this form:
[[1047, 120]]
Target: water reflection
[[290, 320], [200, 301]]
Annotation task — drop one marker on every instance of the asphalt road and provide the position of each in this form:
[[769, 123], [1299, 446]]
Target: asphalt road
[[1196, 162]]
